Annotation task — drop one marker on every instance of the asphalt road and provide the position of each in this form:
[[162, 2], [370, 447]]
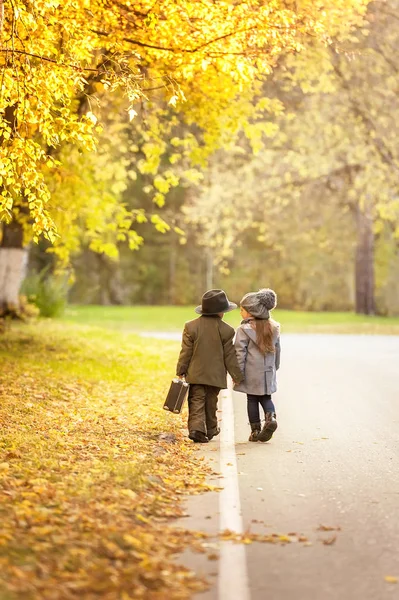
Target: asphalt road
[[333, 462]]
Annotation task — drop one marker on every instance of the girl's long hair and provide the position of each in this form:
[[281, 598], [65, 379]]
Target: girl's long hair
[[265, 329]]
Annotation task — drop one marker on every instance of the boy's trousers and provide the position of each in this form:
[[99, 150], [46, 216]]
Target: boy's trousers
[[202, 406]]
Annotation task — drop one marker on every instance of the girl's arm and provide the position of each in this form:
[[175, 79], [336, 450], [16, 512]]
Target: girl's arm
[[277, 354], [230, 359], [241, 348]]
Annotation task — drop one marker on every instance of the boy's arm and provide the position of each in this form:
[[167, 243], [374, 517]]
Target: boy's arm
[[186, 352], [230, 359], [241, 349]]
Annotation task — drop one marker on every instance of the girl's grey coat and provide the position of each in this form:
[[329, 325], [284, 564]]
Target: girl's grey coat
[[259, 369]]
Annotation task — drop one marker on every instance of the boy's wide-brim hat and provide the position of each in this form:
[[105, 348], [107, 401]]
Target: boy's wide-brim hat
[[214, 302]]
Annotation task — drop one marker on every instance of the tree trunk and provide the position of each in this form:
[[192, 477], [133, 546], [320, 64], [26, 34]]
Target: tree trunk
[[209, 269], [364, 270], [1, 15], [13, 256], [172, 272], [110, 286], [13, 262]]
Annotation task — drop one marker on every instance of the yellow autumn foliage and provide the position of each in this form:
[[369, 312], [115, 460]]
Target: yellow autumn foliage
[[203, 60]]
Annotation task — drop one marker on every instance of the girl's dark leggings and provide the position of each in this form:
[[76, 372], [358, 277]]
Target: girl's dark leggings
[[253, 402]]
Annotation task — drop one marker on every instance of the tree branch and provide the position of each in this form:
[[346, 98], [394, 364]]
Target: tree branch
[[323, 177], [380, 146], [45, 58], [176, 50], [384, 10], [190, 50], [377, 48]]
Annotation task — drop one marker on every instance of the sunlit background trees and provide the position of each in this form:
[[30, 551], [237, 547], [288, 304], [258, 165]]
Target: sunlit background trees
[[152, 150]]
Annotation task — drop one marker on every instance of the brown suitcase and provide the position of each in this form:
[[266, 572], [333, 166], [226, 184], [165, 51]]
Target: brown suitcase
[[176, 396]]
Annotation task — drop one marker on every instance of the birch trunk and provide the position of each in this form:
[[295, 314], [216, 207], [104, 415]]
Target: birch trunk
[[12, 271], [13, 263]]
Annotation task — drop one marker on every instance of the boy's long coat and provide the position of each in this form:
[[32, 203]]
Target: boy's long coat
[[259, 369], [207, 352]]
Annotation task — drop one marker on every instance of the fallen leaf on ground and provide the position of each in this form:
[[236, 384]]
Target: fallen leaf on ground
[[391, 579], [85, 499], [328, 528], [330, 541], [269, 538]]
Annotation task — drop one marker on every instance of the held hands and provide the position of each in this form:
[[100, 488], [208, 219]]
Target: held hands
[[238, 380]]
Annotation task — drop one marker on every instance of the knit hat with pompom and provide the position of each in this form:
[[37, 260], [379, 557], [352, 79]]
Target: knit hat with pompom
[[258, 304]]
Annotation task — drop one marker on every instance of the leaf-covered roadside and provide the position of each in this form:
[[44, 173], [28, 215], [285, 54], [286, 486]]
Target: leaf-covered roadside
[[86, 485]]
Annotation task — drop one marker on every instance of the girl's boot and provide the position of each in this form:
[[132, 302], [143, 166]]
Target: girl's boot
[[255, 431], [269, 427]]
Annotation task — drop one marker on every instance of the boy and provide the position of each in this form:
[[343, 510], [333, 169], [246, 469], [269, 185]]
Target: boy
[[206, 354]]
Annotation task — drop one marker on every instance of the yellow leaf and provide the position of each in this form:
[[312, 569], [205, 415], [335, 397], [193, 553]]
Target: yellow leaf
[[129, 493], [92, 117]]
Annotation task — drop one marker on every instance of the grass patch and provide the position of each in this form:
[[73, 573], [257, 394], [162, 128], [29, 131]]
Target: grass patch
[[172, 318], [86, 485]]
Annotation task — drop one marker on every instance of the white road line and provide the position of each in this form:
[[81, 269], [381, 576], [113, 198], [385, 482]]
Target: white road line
[[233, 575]]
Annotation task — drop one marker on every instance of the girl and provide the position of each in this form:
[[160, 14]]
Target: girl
[[257, 346]]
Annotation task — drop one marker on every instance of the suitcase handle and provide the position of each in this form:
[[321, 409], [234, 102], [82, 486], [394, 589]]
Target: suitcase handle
[[183, 379]]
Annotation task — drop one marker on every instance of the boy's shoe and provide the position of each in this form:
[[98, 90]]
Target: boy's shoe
[[198, 437], [269, 427], [255, 431], [212, 435]]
